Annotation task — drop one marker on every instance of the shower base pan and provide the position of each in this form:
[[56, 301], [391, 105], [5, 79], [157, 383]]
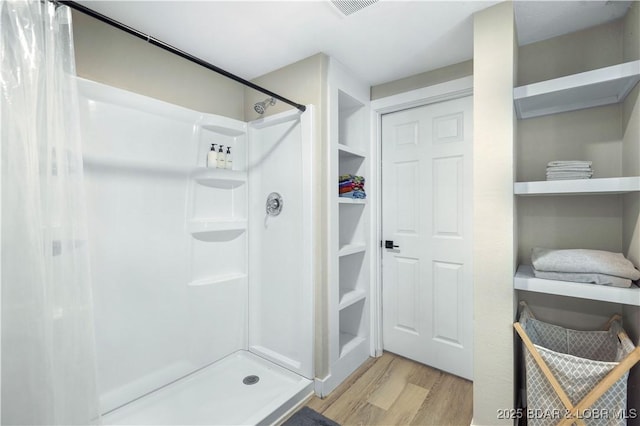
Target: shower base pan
[[217, 395]]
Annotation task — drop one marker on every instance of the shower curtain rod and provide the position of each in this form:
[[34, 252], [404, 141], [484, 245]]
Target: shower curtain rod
[[175, 51]]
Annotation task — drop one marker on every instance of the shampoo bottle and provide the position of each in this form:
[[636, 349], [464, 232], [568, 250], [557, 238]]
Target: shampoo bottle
[[221, 161], [212, 157], [229, 164]]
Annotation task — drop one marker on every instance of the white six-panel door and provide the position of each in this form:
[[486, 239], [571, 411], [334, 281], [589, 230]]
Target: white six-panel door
[[426, 211]]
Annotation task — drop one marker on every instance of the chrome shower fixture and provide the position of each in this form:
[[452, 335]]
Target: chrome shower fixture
[[274, 204], [261, 107]]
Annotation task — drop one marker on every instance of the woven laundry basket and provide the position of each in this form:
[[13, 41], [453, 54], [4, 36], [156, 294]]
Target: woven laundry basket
[[579, 361]]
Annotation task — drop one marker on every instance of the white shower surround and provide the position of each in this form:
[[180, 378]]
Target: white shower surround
[[188, 272]]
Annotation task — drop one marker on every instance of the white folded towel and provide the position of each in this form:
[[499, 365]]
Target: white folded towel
[[570, 163], [569, 176], [583, 261], [569, 169], [576, 277]]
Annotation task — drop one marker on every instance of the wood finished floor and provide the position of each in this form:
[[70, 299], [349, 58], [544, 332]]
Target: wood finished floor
[[392, 390]]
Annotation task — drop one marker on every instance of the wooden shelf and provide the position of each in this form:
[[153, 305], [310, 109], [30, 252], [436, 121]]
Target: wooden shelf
[[525, 280], [219, 279], [219, 178], [351, 297], [349, 249], [579, 186], [588, 89]]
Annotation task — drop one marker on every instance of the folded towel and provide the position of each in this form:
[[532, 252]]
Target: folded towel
[[583, 261], [570, 173], [349, 184], [344, 190], [570, 163], [354, 194], [569, 169], [352, 178], [567, 178], [600, 279]]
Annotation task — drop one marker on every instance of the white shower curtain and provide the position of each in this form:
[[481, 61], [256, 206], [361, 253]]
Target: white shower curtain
[[48, 355]]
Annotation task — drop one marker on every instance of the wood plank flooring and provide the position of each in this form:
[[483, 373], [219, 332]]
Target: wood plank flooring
[[392, 390]]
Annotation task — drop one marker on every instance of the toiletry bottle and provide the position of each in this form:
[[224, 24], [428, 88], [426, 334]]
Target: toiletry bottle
[[221, 162], [229, 164], [212, 157]]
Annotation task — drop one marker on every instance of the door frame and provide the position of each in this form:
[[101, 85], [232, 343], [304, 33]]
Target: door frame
[[453, 89]]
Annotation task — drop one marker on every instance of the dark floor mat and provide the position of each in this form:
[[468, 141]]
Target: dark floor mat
[[307, 417]]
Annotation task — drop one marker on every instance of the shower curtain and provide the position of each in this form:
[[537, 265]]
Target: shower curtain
[[48, 355]]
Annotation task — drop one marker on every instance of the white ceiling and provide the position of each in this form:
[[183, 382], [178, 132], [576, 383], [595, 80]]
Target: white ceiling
[[386, 41]]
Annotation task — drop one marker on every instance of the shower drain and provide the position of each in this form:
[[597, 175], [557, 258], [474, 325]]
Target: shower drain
[[250, 380]]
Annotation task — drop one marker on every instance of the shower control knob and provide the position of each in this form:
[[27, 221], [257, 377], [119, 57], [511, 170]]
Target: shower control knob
[[274, 204]]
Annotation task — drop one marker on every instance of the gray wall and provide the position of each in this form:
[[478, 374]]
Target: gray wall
[[110, 56], [429, 78], [580, 51]]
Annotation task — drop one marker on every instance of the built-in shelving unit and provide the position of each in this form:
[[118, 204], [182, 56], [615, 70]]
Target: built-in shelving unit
[[352, 239], [350, 247], [564, 220], [217, 206], [590, 115], [526, 280], [579, 186], [584, 90]]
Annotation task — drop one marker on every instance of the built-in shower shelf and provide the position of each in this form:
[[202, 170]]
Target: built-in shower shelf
[[219, 279], [222, 125], [219, 178], [206, 226], [352, 249], [346, 200], [348, 342], [351, 297]]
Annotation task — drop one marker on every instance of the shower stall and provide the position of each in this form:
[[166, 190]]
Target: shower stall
[[202, 277]]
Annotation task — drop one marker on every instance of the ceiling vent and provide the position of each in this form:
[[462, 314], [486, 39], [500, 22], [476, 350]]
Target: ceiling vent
[[347, 7]]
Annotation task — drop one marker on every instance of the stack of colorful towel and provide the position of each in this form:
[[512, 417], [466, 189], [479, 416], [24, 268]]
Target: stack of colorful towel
[[352, 186], [564, 170]]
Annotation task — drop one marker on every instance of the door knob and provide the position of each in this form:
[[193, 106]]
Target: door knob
[[389, 244]]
